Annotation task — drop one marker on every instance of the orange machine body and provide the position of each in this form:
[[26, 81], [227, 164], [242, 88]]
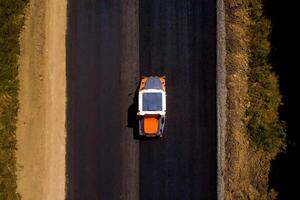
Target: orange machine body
[[151, 125]]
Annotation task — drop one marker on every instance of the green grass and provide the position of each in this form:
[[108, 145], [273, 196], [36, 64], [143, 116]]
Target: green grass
[[11, 22], [265, 128]]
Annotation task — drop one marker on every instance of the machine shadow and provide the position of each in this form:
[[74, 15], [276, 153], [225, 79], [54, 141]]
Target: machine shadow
[[132, 120]]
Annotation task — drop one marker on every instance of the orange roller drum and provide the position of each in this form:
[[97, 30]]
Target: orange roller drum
[[150, 125]]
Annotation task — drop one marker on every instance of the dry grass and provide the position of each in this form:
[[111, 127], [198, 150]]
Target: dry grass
[[247, 168]]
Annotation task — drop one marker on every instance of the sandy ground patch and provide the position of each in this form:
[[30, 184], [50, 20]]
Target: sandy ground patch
[[41, 120]]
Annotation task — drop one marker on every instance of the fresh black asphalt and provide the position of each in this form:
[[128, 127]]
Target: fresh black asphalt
[[110, 44]]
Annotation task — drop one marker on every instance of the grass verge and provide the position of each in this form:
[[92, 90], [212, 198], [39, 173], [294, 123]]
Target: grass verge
[[255, 135], [11, 23]]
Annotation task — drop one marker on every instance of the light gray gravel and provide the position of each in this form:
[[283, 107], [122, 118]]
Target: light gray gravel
[[221, 96]]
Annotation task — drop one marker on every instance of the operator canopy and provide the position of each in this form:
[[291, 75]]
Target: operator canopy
[[152, 101]]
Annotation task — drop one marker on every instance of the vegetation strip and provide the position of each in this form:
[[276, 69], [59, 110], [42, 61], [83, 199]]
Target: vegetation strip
[[255, 134], [11, 23], [265, 128]]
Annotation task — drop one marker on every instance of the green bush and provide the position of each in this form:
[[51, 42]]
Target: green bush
[[265, 128], [11, 22]]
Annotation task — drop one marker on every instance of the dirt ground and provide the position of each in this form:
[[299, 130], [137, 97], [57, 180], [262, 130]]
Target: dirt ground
[[41, 120]]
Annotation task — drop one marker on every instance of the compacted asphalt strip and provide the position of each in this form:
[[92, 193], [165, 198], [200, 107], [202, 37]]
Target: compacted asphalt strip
[[102, 69]]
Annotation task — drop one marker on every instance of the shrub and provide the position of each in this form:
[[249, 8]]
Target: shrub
[[265, 128]]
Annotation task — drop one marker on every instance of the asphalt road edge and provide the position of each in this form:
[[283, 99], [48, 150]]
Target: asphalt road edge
[[221, 97]]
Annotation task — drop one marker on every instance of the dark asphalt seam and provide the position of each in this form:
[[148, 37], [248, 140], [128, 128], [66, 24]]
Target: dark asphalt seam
[[221, 97]]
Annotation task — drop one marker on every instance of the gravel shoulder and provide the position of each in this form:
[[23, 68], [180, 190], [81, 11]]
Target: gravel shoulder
[[221, 96], [41, 118]]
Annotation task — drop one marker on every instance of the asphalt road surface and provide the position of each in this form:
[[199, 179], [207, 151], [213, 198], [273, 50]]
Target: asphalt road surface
[[110, 44]]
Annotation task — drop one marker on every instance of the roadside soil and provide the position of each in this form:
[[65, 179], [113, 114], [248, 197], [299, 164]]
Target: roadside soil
[[41, 119]]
